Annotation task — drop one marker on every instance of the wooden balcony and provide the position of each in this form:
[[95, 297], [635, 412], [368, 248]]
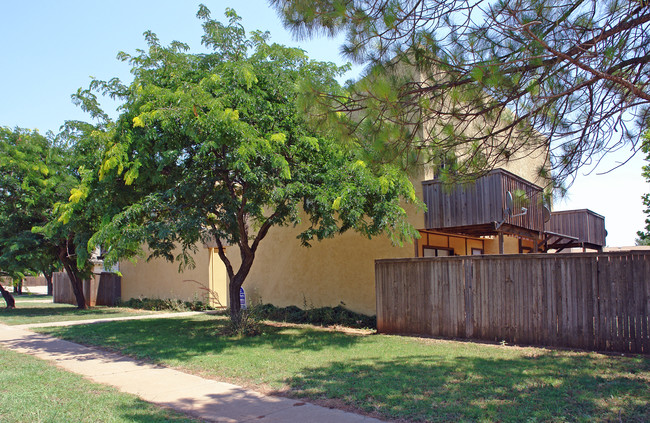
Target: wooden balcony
[[587, 227], [478, 208]]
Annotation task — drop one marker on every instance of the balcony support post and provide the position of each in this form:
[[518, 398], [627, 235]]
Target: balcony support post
[[500, 242]]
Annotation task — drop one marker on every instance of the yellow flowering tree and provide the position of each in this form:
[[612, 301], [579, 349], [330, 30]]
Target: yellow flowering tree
[[212, 146]]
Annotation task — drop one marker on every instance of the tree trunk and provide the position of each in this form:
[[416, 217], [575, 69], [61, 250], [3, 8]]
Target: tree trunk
[[9, 299], [233, 292], [236, 283], [77, 289], [75, 279], [48, 279], [18, 287]]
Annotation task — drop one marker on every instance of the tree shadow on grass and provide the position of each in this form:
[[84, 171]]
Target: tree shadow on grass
[[185, 338], [420, 383], [142, 411], [546, 387]]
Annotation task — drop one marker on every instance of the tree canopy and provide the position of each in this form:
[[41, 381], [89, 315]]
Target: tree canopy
[[86, 204], [46, 216], [490, 77], [30, 183], [212, 147]]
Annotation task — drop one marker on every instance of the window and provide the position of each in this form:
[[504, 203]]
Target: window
[[437, 252], [477, 251]]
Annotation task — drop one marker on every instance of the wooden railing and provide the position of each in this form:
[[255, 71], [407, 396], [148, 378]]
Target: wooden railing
[[483, 202], [585, 225], [595, 301]]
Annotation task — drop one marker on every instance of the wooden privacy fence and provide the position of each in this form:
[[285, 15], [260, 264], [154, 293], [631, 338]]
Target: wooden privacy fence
[[100, 289], [595, 301], [34, 281]]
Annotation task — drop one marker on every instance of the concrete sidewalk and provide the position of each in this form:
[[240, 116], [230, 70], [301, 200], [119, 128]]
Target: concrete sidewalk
[[203, 398]]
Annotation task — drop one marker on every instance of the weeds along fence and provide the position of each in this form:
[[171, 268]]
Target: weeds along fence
[[598, 301], [100, 289]]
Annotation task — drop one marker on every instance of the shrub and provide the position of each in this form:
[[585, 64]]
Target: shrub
[[323, 316], [246, 324], [157, 304]]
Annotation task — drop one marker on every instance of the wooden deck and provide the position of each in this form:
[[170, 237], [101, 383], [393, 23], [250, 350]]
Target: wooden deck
[[478, 208], [584, 225]]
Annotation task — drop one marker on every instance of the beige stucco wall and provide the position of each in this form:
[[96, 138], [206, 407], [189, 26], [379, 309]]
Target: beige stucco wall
[[159, 278], [331, 271], [218, 280], [510, 245]]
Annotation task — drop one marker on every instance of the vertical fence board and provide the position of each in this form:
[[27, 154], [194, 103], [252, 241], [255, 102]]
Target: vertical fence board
[[549, 281], [593, 304], [435, 301], [617, 291], [579, 301], [631, 305], [528, 305], [603, 303], [645, 316], [561, 312]]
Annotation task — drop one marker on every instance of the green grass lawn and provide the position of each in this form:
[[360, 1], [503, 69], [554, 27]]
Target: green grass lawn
[[390, 376], [30, 297], [35, 312], [32, 390]]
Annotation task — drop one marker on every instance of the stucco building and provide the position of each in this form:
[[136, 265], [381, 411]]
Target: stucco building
[[469, 220]]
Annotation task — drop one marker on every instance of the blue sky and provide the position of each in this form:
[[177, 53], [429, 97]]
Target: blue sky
[[50, 49]]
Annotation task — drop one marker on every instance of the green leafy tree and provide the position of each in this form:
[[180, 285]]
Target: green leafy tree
[[212, 147], [46, 217], [483, 79], [644, 235], [29, 186], [78, 215]]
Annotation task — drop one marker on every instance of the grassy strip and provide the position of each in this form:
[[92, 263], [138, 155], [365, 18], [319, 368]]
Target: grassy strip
[[31, 297], [393, 377], [34, 312], [32, 390]]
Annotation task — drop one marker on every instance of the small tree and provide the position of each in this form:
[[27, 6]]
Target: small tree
[[29, 186], [211, 146], [78, 215], [39, 232]]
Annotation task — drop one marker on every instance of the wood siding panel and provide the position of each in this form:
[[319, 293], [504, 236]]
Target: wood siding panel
[[481, 202], [585, 225]]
